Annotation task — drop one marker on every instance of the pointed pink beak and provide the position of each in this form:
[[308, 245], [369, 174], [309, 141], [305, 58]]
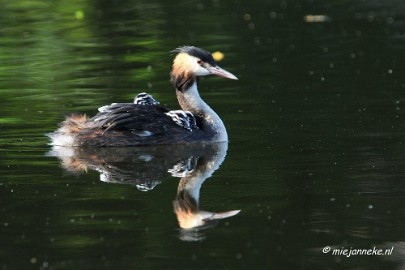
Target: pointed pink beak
[[222, 72]]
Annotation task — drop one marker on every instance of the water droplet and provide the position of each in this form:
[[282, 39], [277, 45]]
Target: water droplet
[[283, 5], [316, 18], [79, 15], [247, 17], [218, 56]]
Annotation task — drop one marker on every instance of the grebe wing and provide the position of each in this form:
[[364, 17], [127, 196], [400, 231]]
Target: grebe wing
[[138, 119]]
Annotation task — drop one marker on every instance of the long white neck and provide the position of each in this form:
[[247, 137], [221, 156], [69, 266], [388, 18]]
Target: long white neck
[[190, 100]]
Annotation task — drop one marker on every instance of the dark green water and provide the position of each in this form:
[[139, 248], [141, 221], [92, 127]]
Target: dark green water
[[316, 125]]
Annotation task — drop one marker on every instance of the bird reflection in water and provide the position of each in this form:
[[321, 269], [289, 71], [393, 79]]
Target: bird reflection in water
[[145, 166]]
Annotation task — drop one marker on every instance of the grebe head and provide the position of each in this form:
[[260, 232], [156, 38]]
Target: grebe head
[[196, 62]]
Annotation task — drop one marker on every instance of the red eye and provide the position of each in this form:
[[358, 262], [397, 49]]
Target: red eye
[[199, 62]]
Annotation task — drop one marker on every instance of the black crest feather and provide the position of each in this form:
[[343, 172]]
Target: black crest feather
[[202, 54]]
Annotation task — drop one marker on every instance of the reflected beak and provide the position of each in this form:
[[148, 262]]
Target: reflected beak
[[221, 72], [223, 214]]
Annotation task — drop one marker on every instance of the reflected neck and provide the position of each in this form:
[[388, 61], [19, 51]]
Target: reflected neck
[[206, 164]]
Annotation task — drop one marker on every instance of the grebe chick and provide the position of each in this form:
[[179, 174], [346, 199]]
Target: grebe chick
[[191, 120], [183, 119], [145, 99], [140, 99], [144, 122]]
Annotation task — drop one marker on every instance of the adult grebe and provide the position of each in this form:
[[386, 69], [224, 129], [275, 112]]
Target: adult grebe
[[144, 122]]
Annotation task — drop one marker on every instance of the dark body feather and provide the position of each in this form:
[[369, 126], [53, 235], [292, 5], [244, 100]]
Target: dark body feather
[[131, 124]]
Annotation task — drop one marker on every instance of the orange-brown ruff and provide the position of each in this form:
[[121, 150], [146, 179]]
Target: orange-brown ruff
[[126, 124]]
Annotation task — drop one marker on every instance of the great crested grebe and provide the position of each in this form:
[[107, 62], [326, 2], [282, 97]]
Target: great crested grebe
[[144, 122]]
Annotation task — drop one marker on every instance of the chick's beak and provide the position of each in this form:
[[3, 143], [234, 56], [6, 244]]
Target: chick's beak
[[216, 70]]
